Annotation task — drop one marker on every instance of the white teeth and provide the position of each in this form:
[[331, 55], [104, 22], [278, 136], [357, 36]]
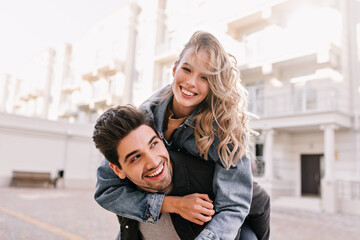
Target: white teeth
[[187, 92], [157, 172]]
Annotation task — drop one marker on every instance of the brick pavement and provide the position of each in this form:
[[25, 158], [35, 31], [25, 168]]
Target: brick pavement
[[58, 214], [62, 214], [304, 225]]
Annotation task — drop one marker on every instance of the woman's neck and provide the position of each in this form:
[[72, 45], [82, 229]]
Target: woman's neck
[[180, 111]]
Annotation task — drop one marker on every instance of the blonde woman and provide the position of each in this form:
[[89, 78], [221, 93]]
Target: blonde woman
[[202, 113]]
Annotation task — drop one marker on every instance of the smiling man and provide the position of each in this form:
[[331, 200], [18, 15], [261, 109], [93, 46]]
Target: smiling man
[[128, 139]]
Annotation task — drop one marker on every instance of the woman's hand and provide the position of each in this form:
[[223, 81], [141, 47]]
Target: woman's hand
[[196, 207]]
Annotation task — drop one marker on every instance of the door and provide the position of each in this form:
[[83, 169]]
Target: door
[[310, 174]]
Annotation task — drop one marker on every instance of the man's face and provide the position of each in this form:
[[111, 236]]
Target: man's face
[[144, 160]]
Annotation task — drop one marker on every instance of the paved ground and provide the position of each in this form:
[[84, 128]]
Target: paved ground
[[60, 214], [304, 225]]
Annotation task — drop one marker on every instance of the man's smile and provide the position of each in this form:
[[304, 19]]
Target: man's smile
[[157, 173]]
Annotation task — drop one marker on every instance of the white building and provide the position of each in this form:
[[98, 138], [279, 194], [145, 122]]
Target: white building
[[299, 60], [39, 145], [300, 63], [37, 95]]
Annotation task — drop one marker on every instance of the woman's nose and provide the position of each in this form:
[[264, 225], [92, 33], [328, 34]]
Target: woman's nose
[[191, 80]]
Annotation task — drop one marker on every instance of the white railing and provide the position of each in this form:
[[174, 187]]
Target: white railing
[[348, 189], [320, 100], [165, 47], [275, 43]]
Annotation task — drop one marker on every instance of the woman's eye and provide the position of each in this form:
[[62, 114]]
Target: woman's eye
[[205, 78], [186, 69]]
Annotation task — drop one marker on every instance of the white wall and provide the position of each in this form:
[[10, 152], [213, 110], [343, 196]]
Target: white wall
[[285, 169], [32, 144], [289, 148]]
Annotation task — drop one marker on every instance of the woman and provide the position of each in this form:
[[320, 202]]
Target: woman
[[202, 113]]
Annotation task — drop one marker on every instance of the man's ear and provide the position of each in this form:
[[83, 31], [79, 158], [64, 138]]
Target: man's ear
[[174, 68], [117, 171]]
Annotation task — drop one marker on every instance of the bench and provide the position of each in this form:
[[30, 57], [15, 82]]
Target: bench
[[31, 179]]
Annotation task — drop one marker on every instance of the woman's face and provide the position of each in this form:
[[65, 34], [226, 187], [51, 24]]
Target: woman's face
[[190, 84]]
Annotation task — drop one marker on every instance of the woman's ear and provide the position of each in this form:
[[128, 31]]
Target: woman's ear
[[174, 68], [117, 171]]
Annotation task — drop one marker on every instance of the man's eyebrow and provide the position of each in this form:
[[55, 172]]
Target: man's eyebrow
[[152, 139], [129, 155], [135, 151]]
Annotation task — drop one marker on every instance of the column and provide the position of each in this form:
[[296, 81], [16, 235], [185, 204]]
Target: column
[[267, 182], [4, 91], [357, 155], [130, 71], [329, 150], [328, 185]]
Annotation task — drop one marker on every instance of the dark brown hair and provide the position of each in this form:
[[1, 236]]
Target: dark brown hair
[[115, 124]]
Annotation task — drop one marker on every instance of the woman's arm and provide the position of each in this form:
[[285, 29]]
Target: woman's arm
[[233, 194], [121, 196], [196, 207]]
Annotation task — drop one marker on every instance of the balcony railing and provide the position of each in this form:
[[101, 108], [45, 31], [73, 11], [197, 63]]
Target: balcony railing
[[68, 110], [258, 166], [275, 44], [319, 100]]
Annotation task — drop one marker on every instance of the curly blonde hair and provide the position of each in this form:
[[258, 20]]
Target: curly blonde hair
[[223, 112]]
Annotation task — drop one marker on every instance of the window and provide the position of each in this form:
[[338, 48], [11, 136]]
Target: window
[[256, 99], [167, 76], [258, 164], [304, 96]]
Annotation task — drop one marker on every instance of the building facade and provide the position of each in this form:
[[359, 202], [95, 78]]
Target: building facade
[[299, 61]]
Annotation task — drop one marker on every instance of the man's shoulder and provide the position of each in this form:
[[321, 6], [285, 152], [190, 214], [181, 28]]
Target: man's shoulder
[[182, 156]]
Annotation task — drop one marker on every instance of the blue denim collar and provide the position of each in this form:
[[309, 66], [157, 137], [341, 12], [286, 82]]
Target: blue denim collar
[[157, 109]]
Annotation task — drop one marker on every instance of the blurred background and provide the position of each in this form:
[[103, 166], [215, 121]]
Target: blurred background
[[62, 63]]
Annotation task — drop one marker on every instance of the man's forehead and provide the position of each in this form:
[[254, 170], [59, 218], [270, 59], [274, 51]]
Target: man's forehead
[[143, 130], [135, 141]]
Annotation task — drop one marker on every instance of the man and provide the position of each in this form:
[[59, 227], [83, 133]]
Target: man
[[130, 142]]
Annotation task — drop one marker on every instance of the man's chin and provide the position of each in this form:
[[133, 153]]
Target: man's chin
[[166, 189], [157, 189]]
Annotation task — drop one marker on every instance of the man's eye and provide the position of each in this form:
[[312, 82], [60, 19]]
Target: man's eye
[[136, 157], [154, 144], [186, 69]]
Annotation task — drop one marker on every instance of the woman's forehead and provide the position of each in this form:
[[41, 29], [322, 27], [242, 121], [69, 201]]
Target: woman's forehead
[[199, 60]]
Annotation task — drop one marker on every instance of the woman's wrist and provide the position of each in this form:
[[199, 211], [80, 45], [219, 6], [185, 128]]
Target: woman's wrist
[[170, 204]]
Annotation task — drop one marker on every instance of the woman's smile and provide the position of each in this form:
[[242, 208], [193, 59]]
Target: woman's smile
[[187, 92]]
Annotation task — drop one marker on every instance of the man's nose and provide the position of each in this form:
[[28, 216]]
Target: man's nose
[[152, 161]]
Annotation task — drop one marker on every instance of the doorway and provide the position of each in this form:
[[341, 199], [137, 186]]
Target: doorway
[[310, 174]]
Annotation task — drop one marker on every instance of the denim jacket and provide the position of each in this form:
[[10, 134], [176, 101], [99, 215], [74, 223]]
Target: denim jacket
[[232, 187]]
